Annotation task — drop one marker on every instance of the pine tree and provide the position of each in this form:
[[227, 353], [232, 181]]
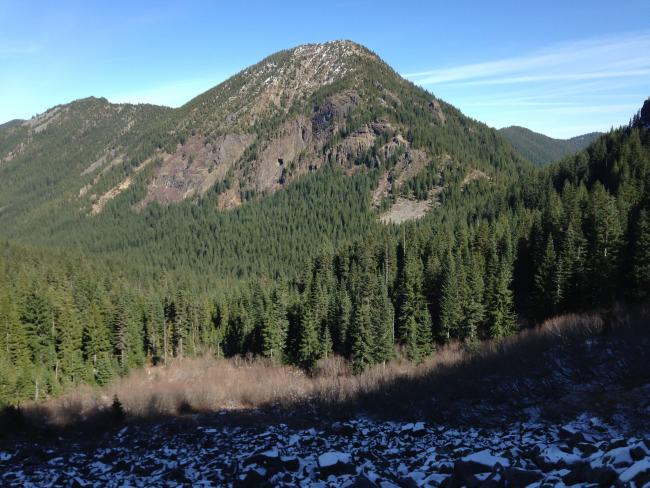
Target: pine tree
[[605, 240], [339, 321], [424, 335], [70, 335], [382, 324], [475, 308], [500, 309], [548, 286], [16, 350], [154, 330], [641, 255], [451, 301], [361, 335], [274, 327], [96, 337], [38, 317], [129, 335], [308, 346], [105, 369], [414, 322], [572, 257]]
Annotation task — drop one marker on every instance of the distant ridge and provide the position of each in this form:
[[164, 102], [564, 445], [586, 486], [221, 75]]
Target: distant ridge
[[541, 149]]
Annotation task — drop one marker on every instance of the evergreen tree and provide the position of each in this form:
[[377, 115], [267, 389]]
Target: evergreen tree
[[129, 335], [605, 239], [69, 335], [361, 335], [641, 256], [339, 321], [96, 337], [500, 309], [548, 283], [274, 327], [451, 302], [383, 317], [414, 323], [308, 346], [475, 309]]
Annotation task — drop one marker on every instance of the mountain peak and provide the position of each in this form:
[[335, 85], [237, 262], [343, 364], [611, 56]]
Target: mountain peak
[[340, 48]]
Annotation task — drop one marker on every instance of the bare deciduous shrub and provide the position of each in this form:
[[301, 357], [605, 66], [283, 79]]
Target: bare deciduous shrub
[[453, 373]]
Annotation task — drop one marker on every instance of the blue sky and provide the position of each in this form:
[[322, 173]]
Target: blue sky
[[561, 68]]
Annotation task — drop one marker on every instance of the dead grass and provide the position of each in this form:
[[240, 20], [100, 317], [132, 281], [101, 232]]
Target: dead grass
[[523, 368]]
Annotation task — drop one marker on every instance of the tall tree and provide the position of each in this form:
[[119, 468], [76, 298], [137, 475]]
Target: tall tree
[[500, 309]]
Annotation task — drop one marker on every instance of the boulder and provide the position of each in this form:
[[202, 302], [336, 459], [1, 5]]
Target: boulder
[[419, 429], [290, 463], [552, 457], [584, 473], [465, 474], [571, 435], [520, 477], [639, 451], [269, 460], [362, 481], [487, 459], [619, 457], [639, 473], [252, 479], [335, 463]]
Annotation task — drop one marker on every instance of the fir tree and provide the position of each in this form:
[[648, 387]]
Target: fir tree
[[383, 317], [500, 309], [361, 335], [451, 302], [641, 255], [548, 285], [475, 308]]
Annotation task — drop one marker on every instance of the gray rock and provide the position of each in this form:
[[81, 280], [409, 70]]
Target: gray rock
[[638, 473], [464, 474], [362, 481], [252, 480], [520, 477], [584, 473]]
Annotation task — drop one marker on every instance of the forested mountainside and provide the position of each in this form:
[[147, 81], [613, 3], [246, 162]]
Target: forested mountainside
[[150, 191], [573, 236], [138, 233], [541, 149]]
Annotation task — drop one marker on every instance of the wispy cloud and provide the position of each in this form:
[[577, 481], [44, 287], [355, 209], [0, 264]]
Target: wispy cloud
[[570, 59], [579, 76]]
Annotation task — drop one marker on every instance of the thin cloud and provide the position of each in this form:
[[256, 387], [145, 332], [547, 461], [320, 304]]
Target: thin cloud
[[630, 51], [559, 77], [595, 83]]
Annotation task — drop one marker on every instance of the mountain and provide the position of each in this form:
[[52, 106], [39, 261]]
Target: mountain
[[259, 219], [154, 183], [541, 149]]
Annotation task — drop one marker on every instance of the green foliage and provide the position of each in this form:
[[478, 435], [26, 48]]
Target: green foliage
[[541, 149], [307, 271]]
